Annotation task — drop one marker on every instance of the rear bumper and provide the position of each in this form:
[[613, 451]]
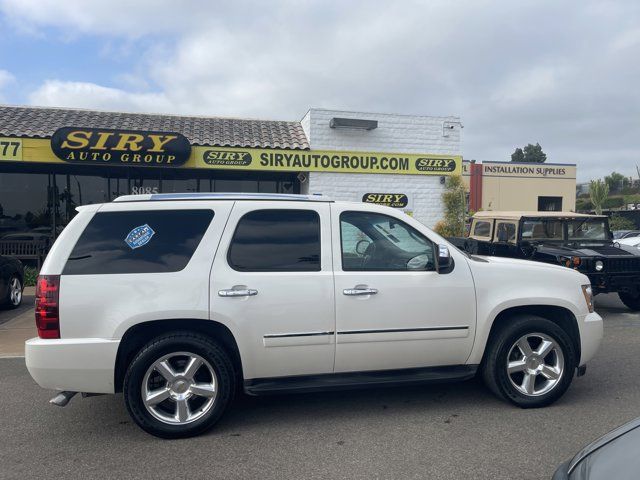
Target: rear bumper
[[591, 332], [77, 365]]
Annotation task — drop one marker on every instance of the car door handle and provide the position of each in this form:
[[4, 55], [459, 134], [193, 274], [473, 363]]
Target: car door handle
[[238, 292], [360, 290]]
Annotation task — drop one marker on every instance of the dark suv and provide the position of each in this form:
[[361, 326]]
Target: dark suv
[[582, 242]]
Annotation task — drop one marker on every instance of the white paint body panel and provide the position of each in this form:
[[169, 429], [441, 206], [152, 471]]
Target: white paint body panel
[[97, 310]]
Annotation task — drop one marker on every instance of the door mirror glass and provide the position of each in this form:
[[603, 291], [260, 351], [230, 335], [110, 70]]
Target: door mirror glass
[[419, 262], [444, 258], [361, 246]]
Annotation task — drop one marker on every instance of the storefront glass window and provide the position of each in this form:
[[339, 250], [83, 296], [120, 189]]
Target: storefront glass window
[[179, 186], [24, 209]]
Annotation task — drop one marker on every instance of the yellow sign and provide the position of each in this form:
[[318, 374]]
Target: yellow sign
[[275, 160], [325, 161], [10, 149]]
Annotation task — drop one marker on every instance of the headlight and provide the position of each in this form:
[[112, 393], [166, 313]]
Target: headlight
[[599, 265], [588, 296]]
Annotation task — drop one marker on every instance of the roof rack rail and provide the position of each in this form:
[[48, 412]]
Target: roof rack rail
[[153, 197]]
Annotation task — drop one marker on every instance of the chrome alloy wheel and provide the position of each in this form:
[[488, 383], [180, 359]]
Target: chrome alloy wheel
[[15, 291], [535, 364], [179, 388]]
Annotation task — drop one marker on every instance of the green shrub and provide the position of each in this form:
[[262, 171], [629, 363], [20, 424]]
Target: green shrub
[[618, 222], [30, 275], [632, 198], [455, 203], [613, 202], [583, 205]]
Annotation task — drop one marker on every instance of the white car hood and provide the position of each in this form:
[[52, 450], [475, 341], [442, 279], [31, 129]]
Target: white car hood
[[521, 263]]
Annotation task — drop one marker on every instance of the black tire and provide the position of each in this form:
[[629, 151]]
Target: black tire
[[200, 345], [494, 366], [7, 302], [630, 300]]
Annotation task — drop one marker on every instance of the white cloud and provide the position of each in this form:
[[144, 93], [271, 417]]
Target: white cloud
[[627, 39], [6, 79], [89, 95], [527, 86]]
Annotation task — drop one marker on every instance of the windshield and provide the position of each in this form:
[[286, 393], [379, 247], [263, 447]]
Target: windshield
[[589, 229]]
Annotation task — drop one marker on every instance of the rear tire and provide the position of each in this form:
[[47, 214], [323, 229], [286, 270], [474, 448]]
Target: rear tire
[[13, 298], [530, 361], [179, 385], [630, 300]]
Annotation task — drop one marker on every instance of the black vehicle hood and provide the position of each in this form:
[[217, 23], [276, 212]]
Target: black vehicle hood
[[612, 456], [601, 250]]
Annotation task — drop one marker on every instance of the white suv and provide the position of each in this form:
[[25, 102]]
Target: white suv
[[178, 299]]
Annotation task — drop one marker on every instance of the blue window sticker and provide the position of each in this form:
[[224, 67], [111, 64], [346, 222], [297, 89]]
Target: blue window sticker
[[139, 236]]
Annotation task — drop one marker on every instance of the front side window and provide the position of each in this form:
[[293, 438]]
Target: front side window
[[372, 241], [542, 230], [482, 229], [276, 241], [138, 242]]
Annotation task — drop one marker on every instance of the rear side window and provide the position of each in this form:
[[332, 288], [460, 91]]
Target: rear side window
[[138, 242], [482, 229], [276, 241]]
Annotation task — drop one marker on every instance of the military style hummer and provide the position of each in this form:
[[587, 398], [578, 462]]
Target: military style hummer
[[582, 242]]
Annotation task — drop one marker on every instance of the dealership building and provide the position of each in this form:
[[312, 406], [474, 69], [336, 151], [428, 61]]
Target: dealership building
[[54, 159]]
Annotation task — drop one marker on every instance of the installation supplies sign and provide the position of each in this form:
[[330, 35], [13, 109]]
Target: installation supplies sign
[[102, 146], [326, 161]]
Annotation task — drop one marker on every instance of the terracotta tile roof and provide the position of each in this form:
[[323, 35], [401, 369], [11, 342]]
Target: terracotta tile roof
[[40, 122]]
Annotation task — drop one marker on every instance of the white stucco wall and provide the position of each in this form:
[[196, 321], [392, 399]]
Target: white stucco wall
[[395, 134]]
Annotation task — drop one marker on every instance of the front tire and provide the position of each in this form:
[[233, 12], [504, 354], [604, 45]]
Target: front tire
[[630, 300], [529, 362], [179, 385]]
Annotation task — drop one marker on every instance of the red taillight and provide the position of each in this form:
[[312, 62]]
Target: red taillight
[[47, 316]]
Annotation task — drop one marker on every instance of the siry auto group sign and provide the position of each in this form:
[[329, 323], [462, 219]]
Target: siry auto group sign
[[326, 161], [120, 147], [139, 148]]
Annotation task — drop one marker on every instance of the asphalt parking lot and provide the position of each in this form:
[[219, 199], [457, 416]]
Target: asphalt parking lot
[[447, 431]]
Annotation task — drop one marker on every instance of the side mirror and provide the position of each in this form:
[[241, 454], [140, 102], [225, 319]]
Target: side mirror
[[444, 260], [361, 247]]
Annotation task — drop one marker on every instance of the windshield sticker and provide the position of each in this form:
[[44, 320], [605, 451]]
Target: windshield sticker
[[139, 236]]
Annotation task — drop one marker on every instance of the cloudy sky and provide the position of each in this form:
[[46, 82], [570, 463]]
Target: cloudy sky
[[565, 74]]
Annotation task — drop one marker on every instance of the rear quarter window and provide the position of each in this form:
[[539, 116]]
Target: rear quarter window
[[138, 242]]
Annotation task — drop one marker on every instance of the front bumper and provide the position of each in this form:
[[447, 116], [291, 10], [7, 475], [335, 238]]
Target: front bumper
[[591, 333], [614, 282], [77, 365]]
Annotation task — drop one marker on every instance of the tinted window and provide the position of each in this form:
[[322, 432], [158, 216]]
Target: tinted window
[[482, 229], [372, 241], [276, 241], [138, 242]]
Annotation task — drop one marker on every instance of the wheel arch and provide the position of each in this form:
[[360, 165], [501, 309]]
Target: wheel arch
[[140, 334], [561, 316]]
